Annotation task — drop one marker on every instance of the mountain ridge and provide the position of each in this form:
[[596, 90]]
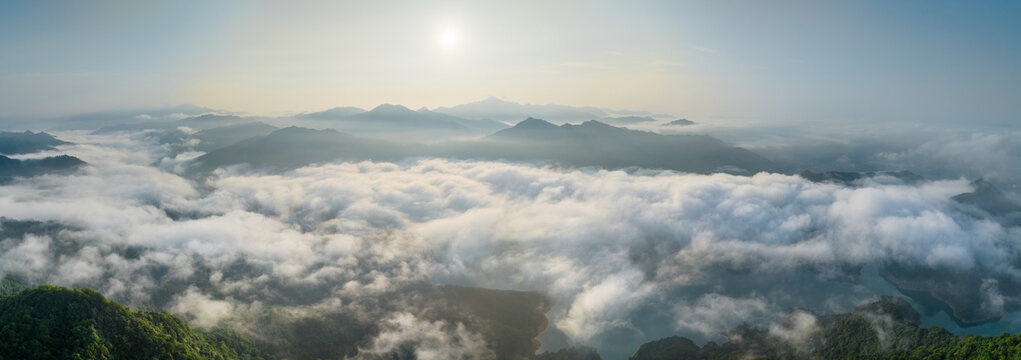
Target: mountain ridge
[[26, 142], [591, 143]]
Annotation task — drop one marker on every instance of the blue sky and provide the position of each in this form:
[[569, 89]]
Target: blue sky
[[779, 61]]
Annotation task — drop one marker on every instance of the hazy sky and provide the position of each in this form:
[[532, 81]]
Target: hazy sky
[[808, 61]]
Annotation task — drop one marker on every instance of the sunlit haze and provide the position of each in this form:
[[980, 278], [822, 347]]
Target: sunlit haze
[[521, 180], [449, 38], [800, 60]]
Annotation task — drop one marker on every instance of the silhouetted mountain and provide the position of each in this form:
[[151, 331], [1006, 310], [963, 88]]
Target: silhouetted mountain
[[589, 144], [400, 116], [13, 143], [530, 128], [13, 168], [219, 137], [593, 143], [294, 147], [396, 122], [680, 122]]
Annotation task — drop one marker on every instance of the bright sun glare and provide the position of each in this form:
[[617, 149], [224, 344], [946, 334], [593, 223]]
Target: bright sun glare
[[448, 38]]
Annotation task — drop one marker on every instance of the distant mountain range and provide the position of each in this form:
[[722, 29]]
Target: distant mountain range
[[590, 144], [500, 110], [397, 122], [386, 121], [27, 142]]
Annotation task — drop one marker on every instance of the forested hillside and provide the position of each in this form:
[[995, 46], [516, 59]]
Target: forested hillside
[[51, 322], [57, 323]]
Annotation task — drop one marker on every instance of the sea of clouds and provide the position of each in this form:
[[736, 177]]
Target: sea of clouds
[[628, 255]]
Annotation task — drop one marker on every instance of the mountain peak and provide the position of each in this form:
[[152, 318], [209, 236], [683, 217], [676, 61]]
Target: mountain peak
[[293, 129], [391, 109], [597, 124], [27, 142], [680, 122], [533, 123], [528, 129], [496, 100], [592, 127]]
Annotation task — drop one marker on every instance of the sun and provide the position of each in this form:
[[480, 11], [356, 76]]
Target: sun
[[449, 38]]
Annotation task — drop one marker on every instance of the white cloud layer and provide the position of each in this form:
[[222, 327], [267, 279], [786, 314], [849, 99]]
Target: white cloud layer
[[605, 244]]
